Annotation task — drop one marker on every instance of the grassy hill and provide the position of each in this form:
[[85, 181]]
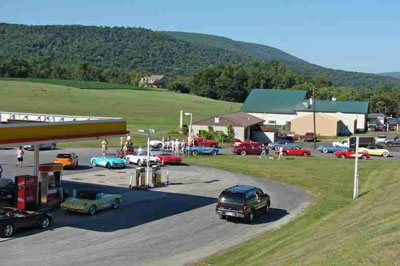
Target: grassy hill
[[335, 230], [158, 52], [142, 108], [391, 74]]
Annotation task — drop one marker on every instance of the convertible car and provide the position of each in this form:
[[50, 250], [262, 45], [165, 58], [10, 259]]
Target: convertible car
[[352, 154], [108, 162], [90, 202], [376, 151], [277, 144], [202, 150], [12, 219], [141, 158], [331, 149], [295, 152], [166, 157]]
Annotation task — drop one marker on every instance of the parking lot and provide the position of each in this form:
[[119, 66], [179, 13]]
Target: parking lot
[[171, 225]]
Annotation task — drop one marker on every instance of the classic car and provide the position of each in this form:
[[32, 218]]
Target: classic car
[[12, 219], [285, 143], [375, 151], [249, 147], [8, 191], [380, 139], [393, 142], [68, 159], [108, 162], [156, 144], [166, 157], [331, 149], [294, 152], [308, 137], [202, 150], [42, 146], [351, 154], [88, 201], [198, 141], [141, 158]]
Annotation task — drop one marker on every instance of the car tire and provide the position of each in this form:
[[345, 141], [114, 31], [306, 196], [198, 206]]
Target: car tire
[[222, 217], [214, 153], [266, 208], [342, 156], [159, 146], [390, 144], [92, 210], [116, 204], [243, 153], [53, 146], [45, 222], [385, 154], [7, 230], [108, 166], [195, 153], [139, 163], [94, 163], [325, 150], [250, 217]]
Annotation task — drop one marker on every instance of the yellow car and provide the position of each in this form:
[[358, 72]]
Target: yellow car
[[375, 151]]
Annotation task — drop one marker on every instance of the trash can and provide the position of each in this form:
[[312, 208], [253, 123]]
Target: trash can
[[155, 175]]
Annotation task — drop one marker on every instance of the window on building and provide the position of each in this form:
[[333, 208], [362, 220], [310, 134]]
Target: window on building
[[271, 122]]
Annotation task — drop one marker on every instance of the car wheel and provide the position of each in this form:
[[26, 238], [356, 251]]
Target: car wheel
[[266, 208], [342, 156], [159, 146], [139, 163], [222, 217], [385, 154], [214, 153], [92, 210], [108, 166], [390, 144], [243, 153], [45, 222], [250, 217], [94, 163], [364, 157], [53, 146], [195, 153], [8, 230], [305, 154], [325, 150], [115, 204]]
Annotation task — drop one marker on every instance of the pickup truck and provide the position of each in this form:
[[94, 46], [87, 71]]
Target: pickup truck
[[393, 142], [363, 142]]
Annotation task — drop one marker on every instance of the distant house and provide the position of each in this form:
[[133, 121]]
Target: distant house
[[154, 81], [280, 108]]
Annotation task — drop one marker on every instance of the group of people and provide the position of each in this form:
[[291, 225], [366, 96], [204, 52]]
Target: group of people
[[280, 154]]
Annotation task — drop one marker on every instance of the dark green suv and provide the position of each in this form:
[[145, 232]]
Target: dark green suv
[[242, 202]]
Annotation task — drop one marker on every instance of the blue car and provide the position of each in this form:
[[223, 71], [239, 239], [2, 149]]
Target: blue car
[[284, 143], [108, 162], [331, 149], [203, 150], [42, 146]]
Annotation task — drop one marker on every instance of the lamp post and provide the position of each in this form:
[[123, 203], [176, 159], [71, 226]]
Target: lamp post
[[190, 125], [148, 132], [314, 122]]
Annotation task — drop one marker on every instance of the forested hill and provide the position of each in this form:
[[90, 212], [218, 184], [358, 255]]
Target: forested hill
[[259, 51], [157, 52], [391, 74]]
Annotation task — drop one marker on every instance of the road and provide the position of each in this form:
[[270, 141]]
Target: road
[[172, 225]]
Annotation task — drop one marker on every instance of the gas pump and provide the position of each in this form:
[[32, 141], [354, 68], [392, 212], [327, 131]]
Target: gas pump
[[51, 192]]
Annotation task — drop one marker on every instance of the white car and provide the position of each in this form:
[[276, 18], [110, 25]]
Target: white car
[[156, 144], [343, 144], [141, 158], [381, 139]]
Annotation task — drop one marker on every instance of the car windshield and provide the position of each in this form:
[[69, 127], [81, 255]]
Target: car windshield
[[63, 156], [229, 197], [142, 153], [89, 195]]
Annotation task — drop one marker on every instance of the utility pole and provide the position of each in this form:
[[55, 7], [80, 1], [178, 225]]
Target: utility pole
[[315, 125]]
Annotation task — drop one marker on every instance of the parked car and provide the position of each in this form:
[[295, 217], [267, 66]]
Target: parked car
[[249, 147], [13, 219], [198, 141], [308, 137], [90, 202], [202, 150], [235, 142], [8, 191], [42, 146], [380, 139], [156, 144], [166, 157], [293, 136], [243, 202], [108, 162], [393, 142], [352, 154], [331, 149], [363, 142], [286, 144], [68, 159], [141, 158], [376, 151], [295, 152]]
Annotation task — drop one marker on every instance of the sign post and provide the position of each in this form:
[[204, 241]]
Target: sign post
[[356, 176]]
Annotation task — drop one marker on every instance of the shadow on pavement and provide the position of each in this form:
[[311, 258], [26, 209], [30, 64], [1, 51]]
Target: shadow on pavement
[[273, 215]]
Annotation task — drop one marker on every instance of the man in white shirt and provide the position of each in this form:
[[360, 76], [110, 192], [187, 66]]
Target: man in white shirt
[[20, 157]]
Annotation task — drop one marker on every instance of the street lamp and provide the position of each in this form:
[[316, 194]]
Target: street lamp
[[190, 126], [148, 132]]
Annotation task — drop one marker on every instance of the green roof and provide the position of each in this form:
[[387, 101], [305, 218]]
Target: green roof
[[274, 101], [337, 106]]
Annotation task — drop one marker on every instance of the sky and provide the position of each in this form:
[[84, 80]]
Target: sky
[[354, 35]]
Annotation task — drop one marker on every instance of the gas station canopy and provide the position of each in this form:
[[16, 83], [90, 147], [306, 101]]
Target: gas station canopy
[[29, 128]]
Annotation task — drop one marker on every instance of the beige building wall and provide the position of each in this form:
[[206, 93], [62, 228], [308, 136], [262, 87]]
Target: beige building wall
[[326, 125], [350, 120], [280, 119], [239, 131]]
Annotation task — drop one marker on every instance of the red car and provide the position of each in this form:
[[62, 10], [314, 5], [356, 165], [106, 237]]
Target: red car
[[309, 136], [198, 141], [352, 154], [249, 147], [294, 152], [167, 157]]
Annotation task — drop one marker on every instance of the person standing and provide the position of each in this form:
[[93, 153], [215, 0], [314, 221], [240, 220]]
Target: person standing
[[20, 157], [263, 152], [104, 146], [281, 153]]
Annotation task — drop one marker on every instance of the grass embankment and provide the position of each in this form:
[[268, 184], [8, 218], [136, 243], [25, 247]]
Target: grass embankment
[[335, 230], [142, 108]]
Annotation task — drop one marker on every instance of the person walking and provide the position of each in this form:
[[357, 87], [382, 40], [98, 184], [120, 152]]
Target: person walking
[[264, 152], [104, 147], [20, 157], [281, 153]]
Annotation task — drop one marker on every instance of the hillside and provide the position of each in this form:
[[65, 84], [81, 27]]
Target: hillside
[[391, 74], [158, 52]]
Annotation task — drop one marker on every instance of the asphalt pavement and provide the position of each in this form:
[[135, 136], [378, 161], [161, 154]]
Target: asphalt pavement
[[172, 225]]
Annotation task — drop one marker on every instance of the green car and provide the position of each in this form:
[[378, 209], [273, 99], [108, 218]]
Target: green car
[[90, 202]]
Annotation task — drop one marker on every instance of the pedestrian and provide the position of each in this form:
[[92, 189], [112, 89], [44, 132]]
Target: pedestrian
[[20, 156], [104, 147], [177, 146], [263, 152], [281, 153]]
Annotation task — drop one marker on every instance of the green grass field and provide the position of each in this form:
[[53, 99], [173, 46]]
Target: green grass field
[[335, 230], [142, 108]]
